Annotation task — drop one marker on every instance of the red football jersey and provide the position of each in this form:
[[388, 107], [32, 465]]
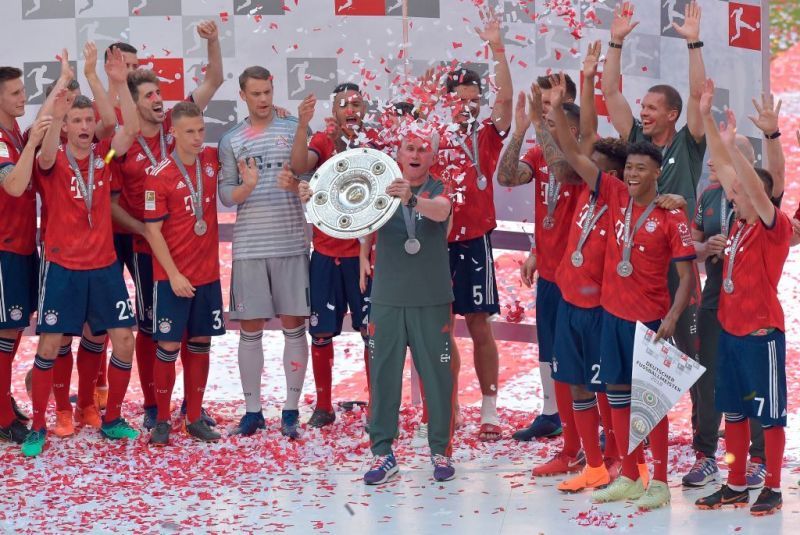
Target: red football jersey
[[323, 146], [757, 268], [133, 167], [473, 208], [166, 198], [580, 285], [550, 243], [69, 240], [18, 230], [663, 238]]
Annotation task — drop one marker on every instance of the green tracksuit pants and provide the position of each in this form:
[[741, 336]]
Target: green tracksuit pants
[[426, 331]]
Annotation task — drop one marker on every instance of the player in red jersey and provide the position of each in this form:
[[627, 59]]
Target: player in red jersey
[[751, 372], [18, 259], [81, 282], [180, 213], [634, 289], [134, 162], [334, 267], [466, 166], [557, 190]]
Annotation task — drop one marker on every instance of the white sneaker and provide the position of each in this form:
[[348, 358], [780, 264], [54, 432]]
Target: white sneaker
[[420, 440]]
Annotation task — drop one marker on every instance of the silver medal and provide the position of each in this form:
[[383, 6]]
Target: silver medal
[[482, 182], [624, 268], [727, 285], [200, 227], [577, 258], [549, 222], [412, 246]]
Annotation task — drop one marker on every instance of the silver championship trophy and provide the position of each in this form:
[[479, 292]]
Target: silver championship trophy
[[349, 199]]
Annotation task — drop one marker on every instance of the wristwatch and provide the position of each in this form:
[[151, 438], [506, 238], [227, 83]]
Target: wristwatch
[[412, 201]]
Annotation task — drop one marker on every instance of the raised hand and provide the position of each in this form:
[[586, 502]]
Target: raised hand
[[535, 109], [400, 188], [90, 59], [707, 98], [67, 74], [62, 102], [768, 112], [521, 119], [690, 30], [208, 30], [305, 111], [558, 91], [727, 131], [491, 32], [623, 23], [592, 60], [39, 129], [115, 67]]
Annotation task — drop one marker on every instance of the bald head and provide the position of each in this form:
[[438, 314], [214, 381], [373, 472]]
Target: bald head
[[746, 148]]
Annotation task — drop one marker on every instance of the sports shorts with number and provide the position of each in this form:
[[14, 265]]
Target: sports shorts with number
[[472, 272], [69, 298], [200, 315]]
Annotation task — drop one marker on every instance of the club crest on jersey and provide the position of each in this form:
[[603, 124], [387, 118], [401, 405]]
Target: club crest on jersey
[[99, 163], [164, 325], [314, 320], [15, 313], [651, 225], [169, 139], [209, 170], [51, 317]]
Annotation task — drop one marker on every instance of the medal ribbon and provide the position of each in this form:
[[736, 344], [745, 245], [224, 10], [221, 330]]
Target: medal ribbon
[[590, 221], [195, 194], [737, 239], [627, 235], [410, 214], [473, 154], [146, 148], [86, 189]]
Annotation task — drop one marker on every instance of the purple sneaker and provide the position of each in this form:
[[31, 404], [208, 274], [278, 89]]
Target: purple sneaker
[[443, 469], [756, 474], [382, 470]]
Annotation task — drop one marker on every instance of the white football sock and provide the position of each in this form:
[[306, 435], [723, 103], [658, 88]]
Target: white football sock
[[489, 410], [548, 389], [251, 366], [295, 362]]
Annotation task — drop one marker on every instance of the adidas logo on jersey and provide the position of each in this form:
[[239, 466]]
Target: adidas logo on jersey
[[180, 185], [140, 157]]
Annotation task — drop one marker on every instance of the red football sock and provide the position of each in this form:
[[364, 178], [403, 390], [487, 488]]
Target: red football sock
[[145, 360], [611, 450], [62, 376], [184, 356], [102, 373], [8, 347], [587, 424], [119, 376], [164, 381], [737, 441], [572, 443], [322, 363], [659, 449], [622, 417], [195, 368], [42, 385], [774, 443], [89, 356]]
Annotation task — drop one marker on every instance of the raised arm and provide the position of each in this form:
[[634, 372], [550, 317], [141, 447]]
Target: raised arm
[[556, 162], [690, 30], [214, 75], [102, 102], [767, 122], [588, 122], [510, 171], [748, 178], [117, 78], [492, 32], [579, 162], [64, 78], [15, 178], [304, 160], [719, 154], [618, 108], [47, 155]]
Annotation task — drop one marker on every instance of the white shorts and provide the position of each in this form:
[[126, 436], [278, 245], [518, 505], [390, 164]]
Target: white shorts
[[266, 288]]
